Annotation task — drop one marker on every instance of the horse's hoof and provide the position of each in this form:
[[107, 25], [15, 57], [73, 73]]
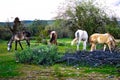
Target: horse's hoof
[[17, 61]]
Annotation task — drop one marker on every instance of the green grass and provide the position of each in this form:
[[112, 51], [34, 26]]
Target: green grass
[[9, 68], [111, 70]]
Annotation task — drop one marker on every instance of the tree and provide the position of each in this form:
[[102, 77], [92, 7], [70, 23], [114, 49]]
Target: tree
[[85, 15], [60, 27], [37, 26]]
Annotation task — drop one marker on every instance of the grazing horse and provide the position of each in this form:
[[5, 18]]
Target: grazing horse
[[53, 37], [80, 35], [103, 39], [23, 35]]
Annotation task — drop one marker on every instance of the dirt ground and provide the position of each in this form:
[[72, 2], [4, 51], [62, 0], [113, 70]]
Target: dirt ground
[[28, 73]]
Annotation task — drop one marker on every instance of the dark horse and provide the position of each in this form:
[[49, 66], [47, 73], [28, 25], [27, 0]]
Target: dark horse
[[23, 35]]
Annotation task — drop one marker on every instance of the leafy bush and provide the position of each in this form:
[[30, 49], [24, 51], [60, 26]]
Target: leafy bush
[[114, 31], [38, 39], [42, 55]]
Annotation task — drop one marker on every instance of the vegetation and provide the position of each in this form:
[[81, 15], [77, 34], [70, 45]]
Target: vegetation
[[38, 62], [84, 15], [26, 68], [8, 66], [41, 55]]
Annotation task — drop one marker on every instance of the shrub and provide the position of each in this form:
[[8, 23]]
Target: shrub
[[38, 39], [114, 31], [42, 55]]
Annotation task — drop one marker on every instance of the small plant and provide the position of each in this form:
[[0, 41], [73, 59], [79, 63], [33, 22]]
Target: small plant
[[43, 55]]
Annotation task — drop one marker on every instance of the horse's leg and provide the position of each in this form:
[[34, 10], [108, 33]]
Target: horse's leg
[[28, 42], [78, 44], [84, 45], [109, 45], [20, 45], [15, 45], [55, 42], [93, 47], [104, 47]]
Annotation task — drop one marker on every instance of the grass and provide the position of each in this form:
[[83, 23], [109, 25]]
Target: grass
[[8, 66], [10, 69]]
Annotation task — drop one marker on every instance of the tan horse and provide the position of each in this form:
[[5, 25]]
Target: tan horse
[[102, 39], [53, 37]]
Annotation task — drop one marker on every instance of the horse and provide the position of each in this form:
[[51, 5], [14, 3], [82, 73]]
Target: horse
[[53, 37], [106, 39], [80, 35], [19, 36]]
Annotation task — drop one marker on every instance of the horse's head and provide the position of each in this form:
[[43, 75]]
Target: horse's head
[[9, 46], [113, 42]]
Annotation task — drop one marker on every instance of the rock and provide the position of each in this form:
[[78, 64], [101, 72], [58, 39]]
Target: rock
[[94, 58]]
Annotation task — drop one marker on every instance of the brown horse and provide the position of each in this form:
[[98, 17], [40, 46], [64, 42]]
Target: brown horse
[[23, 35], [53, 37], [103, 39]]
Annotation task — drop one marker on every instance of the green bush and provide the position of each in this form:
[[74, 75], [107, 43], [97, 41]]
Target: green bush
[[114, 31], [41, 55], [38, 39]]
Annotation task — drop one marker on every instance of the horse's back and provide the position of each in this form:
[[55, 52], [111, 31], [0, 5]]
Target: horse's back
[[53, 34], [82, 34], [22, 35], [100, 38]]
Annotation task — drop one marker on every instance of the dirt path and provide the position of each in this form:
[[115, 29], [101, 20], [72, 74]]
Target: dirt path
[[32, 72]]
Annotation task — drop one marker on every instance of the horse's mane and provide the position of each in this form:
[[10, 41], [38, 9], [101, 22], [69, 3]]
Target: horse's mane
[[28, 34]]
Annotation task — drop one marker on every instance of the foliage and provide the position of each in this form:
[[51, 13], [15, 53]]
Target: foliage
[[9, 69], [42, 55], [36, 26], [8, 66], [5, 33], [85, 15], [113, 31], [60, 27]]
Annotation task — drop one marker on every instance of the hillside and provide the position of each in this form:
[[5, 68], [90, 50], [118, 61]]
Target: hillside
[[28, 22]]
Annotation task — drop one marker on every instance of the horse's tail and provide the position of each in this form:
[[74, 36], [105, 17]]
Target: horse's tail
[[77, 35], [52, 37], [73, 41]]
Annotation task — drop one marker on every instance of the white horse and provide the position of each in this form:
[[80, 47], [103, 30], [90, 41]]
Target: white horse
[[80, 35]]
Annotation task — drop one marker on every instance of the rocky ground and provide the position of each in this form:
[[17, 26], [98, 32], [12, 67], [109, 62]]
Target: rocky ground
[[95, 58]]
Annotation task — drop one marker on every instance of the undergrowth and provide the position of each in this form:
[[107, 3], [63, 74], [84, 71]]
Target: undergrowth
[[41, 55]]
